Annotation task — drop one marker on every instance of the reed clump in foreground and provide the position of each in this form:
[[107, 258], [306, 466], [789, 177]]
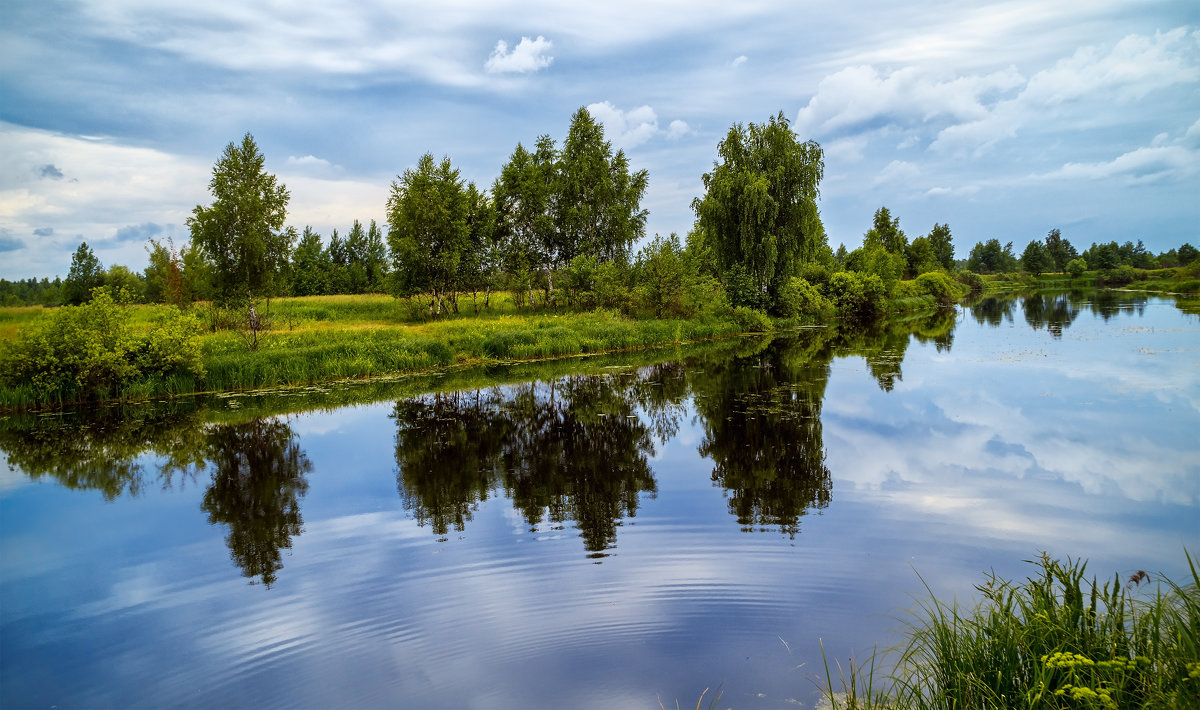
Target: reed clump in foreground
[[1055, 640]]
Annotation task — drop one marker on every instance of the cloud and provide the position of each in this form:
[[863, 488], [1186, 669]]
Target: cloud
[[43, 232], [896, 171], [677, 129], [858, 99], [138, 232], [9, 242], [51, 172], [1144, 165], [627, 129], [739, 61], [312, 165], [528, 56]]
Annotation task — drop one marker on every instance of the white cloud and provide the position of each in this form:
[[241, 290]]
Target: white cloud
[[627, 129], [1143, 165], [739, 61], [528, 56], [677, 129], [896, 171]]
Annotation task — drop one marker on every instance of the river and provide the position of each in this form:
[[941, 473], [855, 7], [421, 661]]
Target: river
[[621, 531]]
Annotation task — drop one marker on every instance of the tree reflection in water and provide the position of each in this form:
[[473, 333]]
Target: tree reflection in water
[[573, 449], [256, 486], [257, 478]]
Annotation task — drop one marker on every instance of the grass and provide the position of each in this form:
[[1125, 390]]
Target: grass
[[1055, 640]]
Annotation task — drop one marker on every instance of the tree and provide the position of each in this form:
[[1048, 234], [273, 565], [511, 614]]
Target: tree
[[886, 231], [523, 196], [597, 200], [1076, 267], [374, 258], [1187, 254], [1036, 259], [759, 210], [943, 245], [427, 230], [124, 283], [310, 267], [242, 232], [990, 258], [86, 274], [164, 274], [1059, 250], [921, 257]]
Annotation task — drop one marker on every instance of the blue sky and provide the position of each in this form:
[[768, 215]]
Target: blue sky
[[1003, 119]]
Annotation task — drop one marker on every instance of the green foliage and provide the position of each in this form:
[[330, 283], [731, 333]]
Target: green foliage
[[759, 211], [663, 275], [750, 320], [120, 279], [1036, 259], [428, 230], [940, 286], [885, 231], [1056, 640], [85, 275], [242, 231], [858, 296], [1075, 267], [1121, 275], [799, 298], [943, 245], [873, 258], [1060, 250], [991, 258], [970, 279], [90, 352]]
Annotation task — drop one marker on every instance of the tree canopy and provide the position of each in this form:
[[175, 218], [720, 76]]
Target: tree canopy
[[759, 211], [242, 232]]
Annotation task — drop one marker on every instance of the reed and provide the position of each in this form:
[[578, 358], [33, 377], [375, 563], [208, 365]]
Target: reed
[[1056, 640]]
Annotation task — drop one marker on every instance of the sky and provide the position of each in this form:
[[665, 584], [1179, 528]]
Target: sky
[[1002, 119]]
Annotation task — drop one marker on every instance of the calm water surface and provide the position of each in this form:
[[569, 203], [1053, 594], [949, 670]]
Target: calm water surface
[[609, 539]]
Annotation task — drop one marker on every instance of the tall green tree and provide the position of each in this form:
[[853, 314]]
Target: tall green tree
[[1059, 249], [164, 274], [597, 199], [310, 267], [86, 274], [242, 232], [759, 211], [885, 230], [427, 230], [524, 195], [1036, 258], [943, 245]]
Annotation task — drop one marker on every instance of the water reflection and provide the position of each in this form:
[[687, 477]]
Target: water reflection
[[573, 449], [762, 430], [257, 467], [256, 489]]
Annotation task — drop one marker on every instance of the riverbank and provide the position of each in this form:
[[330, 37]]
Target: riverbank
[[322, 339]]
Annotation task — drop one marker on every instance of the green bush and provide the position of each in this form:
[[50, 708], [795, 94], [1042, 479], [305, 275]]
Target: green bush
[[938, 285], [800, 298], [970, 279], [1076, 267], [858, 296], [752, 321], [1120, 276], [89, 351], [906, 289]]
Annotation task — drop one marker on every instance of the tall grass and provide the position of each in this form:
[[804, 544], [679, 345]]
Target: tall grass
[[1055, 640]]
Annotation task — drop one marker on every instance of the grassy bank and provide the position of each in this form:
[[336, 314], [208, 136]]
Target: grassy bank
[[1055, 640], [319, 339]]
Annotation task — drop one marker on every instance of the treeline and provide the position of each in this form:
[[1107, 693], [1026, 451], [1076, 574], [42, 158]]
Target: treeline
[[1056, 254]]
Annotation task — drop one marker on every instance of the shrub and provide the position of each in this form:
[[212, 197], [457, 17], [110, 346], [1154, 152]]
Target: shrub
[[815, 273], [938, 285], [906, 289], [752, 321], [800, 298], [1120, 276], [970, 279], [88, 351], [1076, 267], [858, 296]]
